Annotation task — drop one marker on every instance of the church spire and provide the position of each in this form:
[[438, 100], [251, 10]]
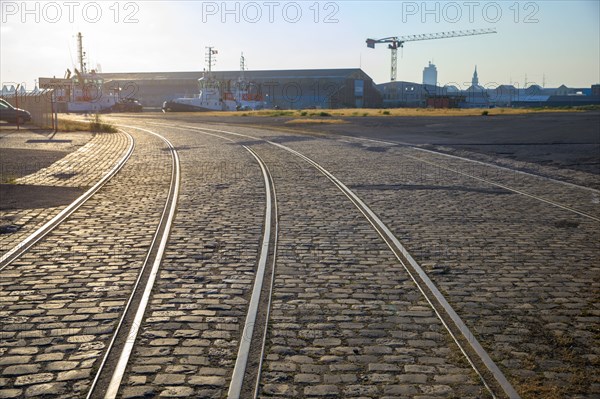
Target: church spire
[[475, 81]]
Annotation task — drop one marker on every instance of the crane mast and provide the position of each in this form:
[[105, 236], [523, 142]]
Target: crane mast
[[395, 42]]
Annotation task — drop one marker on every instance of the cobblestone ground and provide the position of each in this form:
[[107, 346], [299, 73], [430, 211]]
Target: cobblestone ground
[[569, 175], [59, 303], [523, 274], [189, 339], [81, 168], [347, 321]]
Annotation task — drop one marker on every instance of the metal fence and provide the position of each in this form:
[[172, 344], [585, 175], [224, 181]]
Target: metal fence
[[38, 103]]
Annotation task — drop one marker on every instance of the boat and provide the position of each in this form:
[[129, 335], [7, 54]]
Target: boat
[[87, 94], [209, 98], [83, 91], [214, 95]]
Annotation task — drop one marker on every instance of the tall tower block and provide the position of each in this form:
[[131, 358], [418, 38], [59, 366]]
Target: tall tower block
[[430, 75]]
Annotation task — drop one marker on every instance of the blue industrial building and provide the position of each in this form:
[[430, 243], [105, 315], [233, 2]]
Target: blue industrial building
[[285, 89]]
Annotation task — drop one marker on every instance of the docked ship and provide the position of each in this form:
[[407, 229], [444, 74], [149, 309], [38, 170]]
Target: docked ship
[[86, 94], [209, 98], [214, 95], [82, 91]]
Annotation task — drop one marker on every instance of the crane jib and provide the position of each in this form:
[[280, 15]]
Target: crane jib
[[394, 42]]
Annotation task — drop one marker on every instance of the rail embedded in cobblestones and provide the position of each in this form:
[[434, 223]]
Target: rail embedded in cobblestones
[[239, 370], [106, 384], [240, 380], [503, 186], [475, 161], [37, 235], [432, 294]]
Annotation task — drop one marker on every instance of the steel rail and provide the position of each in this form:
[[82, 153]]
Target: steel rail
[[514, 190], [271, 219], [162, 233], [402, 254], [41, 232], [271, 285], [239, 370], [475, 161]]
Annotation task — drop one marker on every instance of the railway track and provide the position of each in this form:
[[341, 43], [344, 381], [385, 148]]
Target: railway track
[[475, 162], [110, 372], [109, 377], [134, 309], [490, 374], [245, 380], [496, 184], [41, 232]]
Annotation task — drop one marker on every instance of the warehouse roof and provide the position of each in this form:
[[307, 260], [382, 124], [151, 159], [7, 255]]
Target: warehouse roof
[[352, 73]]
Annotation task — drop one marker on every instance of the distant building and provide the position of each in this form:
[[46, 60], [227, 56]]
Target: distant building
[[286, 89], [476, 95], [430, 75], [475, 80], [563, 90], [400, 94], [444, 101]]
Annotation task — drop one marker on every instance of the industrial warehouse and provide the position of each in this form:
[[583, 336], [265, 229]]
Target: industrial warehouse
[[285, 89]]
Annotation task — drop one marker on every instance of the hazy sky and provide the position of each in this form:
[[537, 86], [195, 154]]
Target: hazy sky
[[558, 40]]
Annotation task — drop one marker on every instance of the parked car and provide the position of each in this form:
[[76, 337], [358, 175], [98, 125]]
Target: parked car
[[11, 114], [127, 105]]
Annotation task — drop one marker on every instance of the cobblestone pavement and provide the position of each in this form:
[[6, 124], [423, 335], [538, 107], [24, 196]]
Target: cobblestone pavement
[[60, 302], [84, 167], [188, 341], [347, 320], [523, 274], [81, 168]]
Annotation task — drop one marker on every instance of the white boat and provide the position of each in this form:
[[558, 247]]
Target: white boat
[[87, 95], [84, 92], [213, 97], [209, 98]]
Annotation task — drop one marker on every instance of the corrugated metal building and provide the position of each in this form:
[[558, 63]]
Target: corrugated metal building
[[287, 89]]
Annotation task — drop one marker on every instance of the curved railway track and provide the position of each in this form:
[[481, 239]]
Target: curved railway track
[[106, 384], [503, 186], [109, 376], [474, 161], [489, 373], [40, 233], [245, 382]]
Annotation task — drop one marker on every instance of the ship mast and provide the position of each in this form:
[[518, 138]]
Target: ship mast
[[80, 52], [210, 59]]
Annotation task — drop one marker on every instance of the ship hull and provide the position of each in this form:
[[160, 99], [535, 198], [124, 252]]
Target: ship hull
[[172, 106]]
